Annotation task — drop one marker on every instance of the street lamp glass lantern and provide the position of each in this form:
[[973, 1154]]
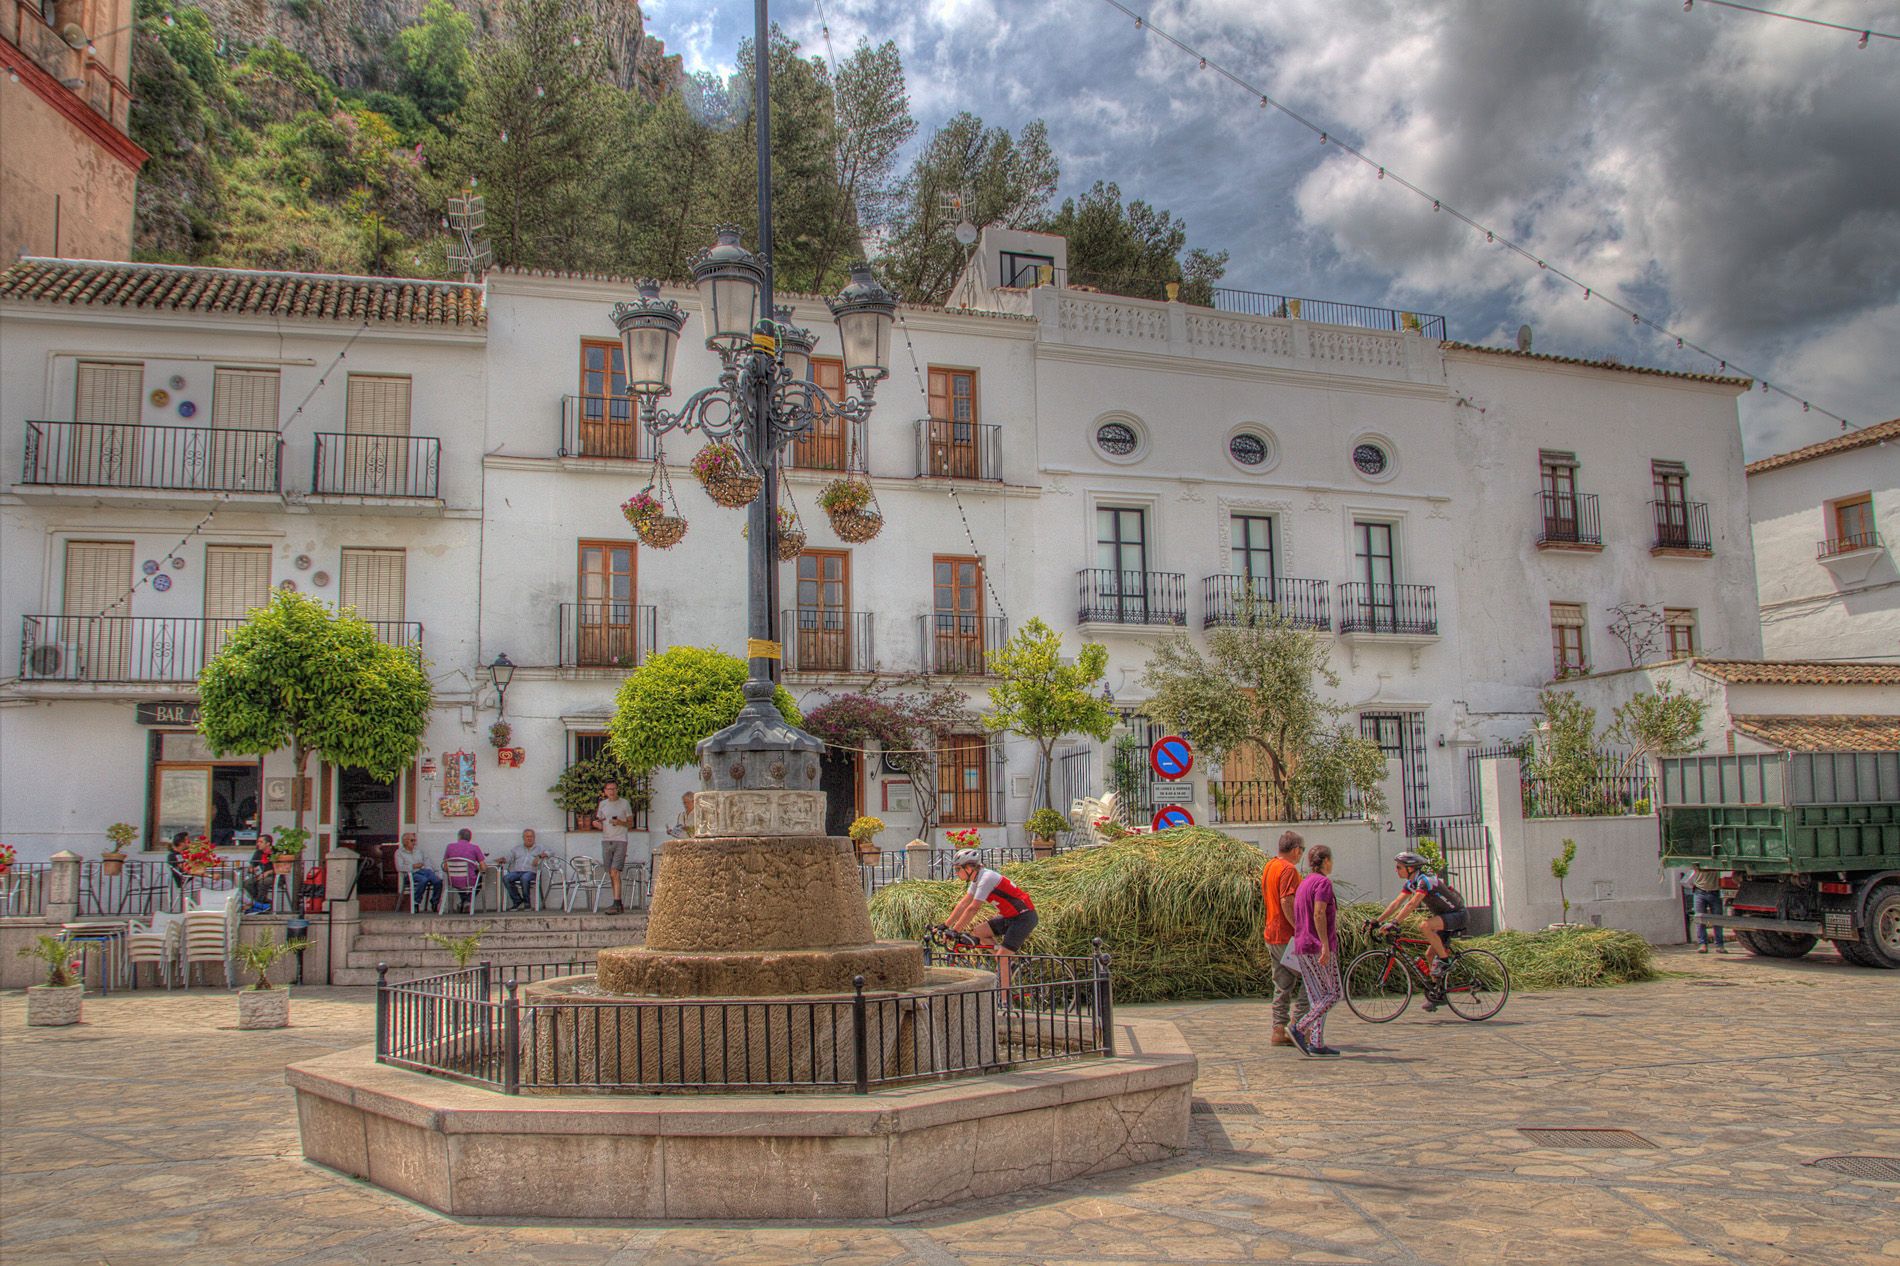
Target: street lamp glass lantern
[[865, 311], [650, 334], [729, 278], [795, 346]]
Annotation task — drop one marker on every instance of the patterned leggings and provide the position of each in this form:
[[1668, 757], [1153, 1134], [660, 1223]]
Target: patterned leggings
[[1322, 991]]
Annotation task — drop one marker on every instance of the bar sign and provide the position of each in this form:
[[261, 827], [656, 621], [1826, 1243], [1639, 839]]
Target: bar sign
[[167, 713]]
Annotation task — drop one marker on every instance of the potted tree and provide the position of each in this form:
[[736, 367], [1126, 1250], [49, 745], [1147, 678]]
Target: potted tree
[[121, 835], [264, 1005], [863, 832], [1044, 825], [56, 1002], [288, 848], [1560, 871]]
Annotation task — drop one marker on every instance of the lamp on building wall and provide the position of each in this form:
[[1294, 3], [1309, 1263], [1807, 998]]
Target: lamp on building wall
[[503, 671]]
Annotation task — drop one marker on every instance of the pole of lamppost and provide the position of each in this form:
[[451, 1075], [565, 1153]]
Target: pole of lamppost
[[762, 534]]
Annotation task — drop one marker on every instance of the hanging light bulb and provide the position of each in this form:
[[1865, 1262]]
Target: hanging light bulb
[[1687, 5], [1381, 173], [1203, 63], [1322, 138], [1678, 344], [1586, 294], [1862, 41], [1434, 204], [1263, 103], [1488, 237], [1804, 406]]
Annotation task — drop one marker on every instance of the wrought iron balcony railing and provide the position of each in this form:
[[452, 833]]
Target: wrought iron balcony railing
[[1848, 544], [1131, 597], [173, 458], [827, 446], [1368, 608], [826, 640], [1301, 602], [602, 427], [959, 645], [376, 466], [1568, 518], [1680, 524], [958, 450], [607, 634], [126, 649]]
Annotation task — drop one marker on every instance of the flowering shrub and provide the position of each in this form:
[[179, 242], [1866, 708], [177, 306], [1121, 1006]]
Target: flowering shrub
[[844, 495], [198, 852], [864, 829], [718, 459], [641, 505], [1046, 824], [6, 856], [964, 837]]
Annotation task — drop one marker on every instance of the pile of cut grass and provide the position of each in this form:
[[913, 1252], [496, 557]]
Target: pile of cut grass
[[1181, 914]]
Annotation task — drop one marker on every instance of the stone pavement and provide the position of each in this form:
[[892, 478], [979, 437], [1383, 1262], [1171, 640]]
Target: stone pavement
[[156, 1132]]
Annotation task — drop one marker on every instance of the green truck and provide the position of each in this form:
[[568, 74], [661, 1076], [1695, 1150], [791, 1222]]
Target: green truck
[[1811, 838]]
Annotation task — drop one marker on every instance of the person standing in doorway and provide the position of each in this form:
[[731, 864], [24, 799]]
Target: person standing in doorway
[[1705, 888], [1278, 882], [615, 816], [1316, 947]]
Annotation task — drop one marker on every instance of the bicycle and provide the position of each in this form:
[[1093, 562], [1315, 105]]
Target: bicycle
[[1038, 982], [1379, 983]]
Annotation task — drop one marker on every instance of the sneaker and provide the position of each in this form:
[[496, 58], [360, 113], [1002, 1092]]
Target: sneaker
[[1326, 1050], [259, 907], [1721, 949], [1431, 1002], [1702, 949], [1299, 1040]]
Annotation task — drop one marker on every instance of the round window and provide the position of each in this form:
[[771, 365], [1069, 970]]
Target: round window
[[1118, 439], [1248, 449], [1370, 459]]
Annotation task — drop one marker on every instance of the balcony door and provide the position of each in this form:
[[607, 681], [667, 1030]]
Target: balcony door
[[1121, 561], [609, 634], [824, 621], [243, 401], [826, 445], [1375, 565], [606, 410], [1671, 484], [94, 642], [375, 457], [952, 441], [1251, 555], [237, 581], [104, 448], [957, 614], [1560, 498]]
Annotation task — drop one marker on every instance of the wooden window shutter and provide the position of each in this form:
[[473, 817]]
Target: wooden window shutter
[[244, 399], [372, 582], [237, 578], [97, 576], [108, 392], [378, 405]]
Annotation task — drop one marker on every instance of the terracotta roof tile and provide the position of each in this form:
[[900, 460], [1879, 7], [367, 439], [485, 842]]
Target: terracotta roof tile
[[1875, 434], [1799, 672], [1741, 384], [169, 287], [1823, 733]]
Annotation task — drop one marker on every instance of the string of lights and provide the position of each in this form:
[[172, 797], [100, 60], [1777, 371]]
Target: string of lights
[[1726, 364], [1865, 33]]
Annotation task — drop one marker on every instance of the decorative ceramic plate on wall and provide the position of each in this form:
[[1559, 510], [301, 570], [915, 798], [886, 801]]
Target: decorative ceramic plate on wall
[[321, 579], [149, 566], [288, 586], [302, 562], [187, 409], [160, 398], [178, 382], [161, 582], [178, 562]]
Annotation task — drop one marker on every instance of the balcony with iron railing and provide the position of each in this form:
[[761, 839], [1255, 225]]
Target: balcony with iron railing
[[123, 650], [831, 444], [1568, 521], [607, 634], [1849, 544], [1302, 603], [1108, 596], [958, 450], [1388, 610], [1682, 528], [376, 467], [959, 645], [602, 428], [827, 641], [172, 459]]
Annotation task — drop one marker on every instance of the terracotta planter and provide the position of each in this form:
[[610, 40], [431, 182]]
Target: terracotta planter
[[282, 865], [1043, 846], [53, 1005], [112, 863], [263, 1008], [868, 853]]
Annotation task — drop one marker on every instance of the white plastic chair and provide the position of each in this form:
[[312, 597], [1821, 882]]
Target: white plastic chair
[[211, 931], [549, 870], [584, 874], [160, 943], [454, 868]]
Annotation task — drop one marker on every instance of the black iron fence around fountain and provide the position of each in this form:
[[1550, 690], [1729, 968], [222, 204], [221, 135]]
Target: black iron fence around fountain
[[474, 1025]]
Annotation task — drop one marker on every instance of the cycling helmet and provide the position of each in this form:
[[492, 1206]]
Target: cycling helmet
[[1409, 858], [966, 857]]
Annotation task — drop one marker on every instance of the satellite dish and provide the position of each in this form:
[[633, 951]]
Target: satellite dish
[[1523, 338], [966, 233]]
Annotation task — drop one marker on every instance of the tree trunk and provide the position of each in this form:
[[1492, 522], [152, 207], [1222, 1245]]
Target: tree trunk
[[1049, 774], [299, 755]]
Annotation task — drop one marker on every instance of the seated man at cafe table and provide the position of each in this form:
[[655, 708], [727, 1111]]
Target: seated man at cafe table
[[518, 870], [464, 847]]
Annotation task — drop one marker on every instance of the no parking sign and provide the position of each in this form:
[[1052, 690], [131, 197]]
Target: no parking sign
[[1172, 815], [1171, 757]]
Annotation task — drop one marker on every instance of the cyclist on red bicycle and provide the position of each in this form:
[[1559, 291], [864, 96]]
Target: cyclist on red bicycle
[[1016, 913], [1419, 885]]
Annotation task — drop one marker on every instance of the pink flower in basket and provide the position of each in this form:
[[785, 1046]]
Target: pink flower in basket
[[717, 459], [642, 505]]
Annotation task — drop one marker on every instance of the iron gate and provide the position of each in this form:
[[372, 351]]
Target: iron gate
[[1402, 734]]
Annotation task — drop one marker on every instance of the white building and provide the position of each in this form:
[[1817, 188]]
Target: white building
[[1825, 567], [1119, 467]]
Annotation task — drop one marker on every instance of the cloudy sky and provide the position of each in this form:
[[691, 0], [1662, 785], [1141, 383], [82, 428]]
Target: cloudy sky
[[1735, 176]]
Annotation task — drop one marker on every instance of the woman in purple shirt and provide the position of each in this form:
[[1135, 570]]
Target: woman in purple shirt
[[1315, 950]]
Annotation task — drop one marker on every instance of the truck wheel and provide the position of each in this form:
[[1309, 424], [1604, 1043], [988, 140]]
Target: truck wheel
[[1880, 934], [1857, 954], [1777, 944]]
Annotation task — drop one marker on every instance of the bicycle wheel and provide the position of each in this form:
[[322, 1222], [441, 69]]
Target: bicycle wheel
[[1378, 988], [1476, 984]]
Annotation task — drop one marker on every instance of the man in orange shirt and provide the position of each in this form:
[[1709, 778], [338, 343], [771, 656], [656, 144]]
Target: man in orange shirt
[[1278, 882]]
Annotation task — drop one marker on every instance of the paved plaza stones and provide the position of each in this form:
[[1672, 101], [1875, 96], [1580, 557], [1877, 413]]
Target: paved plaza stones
[[157, 1132]]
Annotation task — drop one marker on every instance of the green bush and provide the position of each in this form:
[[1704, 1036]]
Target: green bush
[[676, 698]]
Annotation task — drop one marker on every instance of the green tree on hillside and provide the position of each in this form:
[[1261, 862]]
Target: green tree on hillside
[[872, 122], [434, 58], [1134, 249]]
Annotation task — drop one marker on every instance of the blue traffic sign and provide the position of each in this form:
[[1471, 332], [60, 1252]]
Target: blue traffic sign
[[1171, 757], [1172, 815]]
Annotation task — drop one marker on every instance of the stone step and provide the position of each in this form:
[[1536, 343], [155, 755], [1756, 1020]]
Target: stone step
[[508, 938], [463, 924], [429, 956]]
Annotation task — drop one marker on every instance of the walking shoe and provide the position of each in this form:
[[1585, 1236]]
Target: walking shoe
[[1721, 949], [616, 908], [1432, 1000], [1326, 1050], [1279, 1037], [1702, 949], [1301, 1042]]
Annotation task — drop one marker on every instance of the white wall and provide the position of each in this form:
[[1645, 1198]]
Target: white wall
[[1844, 608]]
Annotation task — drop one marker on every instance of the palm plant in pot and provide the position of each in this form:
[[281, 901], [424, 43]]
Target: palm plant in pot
[[1043, 827], [262, 1005], [57, 1001], [120, 835]]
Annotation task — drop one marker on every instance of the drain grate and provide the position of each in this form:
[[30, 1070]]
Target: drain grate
[[1585, 1138], [1872, 1168], [1207, 1108]]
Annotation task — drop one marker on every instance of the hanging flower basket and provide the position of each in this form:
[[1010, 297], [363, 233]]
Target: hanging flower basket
[[856, 526], [661, 531], [727, 477], [852, 509], [791, 544]]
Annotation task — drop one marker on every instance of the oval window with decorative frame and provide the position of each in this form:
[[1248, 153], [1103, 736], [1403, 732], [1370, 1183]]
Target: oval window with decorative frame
[[1373, 458], [1252, 449], [1120, 438]]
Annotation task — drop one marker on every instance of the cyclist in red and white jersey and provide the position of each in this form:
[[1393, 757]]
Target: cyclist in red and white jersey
[[1016, 913]]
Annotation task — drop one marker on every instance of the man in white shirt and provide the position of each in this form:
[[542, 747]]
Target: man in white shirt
[[615, 816], [518, 870], [423, 879]]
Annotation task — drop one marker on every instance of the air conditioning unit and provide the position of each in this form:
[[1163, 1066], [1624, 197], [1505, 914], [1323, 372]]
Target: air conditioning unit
[[56, 661]]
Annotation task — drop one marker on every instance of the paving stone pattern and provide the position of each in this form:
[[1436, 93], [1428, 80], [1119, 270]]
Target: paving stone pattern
[[157, 1132]]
